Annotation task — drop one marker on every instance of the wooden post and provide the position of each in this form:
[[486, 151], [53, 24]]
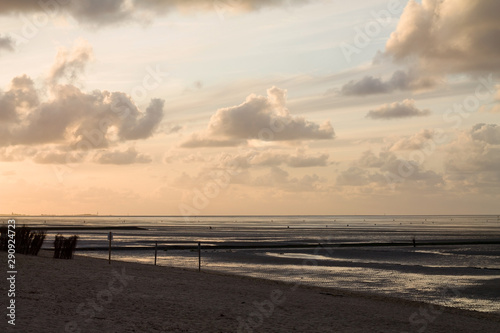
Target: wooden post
[[199, 256], [110, 237], [156, 251]]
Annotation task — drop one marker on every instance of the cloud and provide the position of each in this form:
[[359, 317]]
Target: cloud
[[70, 64], [83, 121], [197, 141], [21, 95], [6, 44], [171, 157], [489, 133], [400, 80], [307, 161], [396, 110], [270, 158], [472, 161], [137, 125], [64, 116], [121, 157], [370, 85], [277, 177], [263, 118], [16, 154], [387, 170], [355, 176], [55, 157], [100, 13], [174, 129], [448, 36], [415, 142], [494, 107]]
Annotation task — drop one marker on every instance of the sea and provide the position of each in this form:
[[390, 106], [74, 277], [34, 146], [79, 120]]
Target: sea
[[451, 260]]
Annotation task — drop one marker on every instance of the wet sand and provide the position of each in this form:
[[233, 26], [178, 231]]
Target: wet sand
[[89, 295]]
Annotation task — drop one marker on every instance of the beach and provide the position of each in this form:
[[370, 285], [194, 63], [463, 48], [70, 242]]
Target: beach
[[90, 295], [455, 261]]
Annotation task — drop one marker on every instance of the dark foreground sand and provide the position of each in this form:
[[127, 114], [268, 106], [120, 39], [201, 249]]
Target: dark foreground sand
[[89, 295]]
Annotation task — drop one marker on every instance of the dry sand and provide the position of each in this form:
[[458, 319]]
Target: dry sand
[[89, 295]]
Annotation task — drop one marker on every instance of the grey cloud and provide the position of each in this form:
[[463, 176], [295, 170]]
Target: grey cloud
[[308, 161], [121, 157], [367, 86], [396, 110], [101, 12], [400, 80], [279, 177], [258, 118], [354, 176], [387, 170], [489, 133], [369, 160], [174, 129], [141, 126], [6, 44], [270, 158], [197, 141], [107, 12], [275, 176]]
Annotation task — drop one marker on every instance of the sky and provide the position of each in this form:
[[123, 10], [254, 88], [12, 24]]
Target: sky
[[249, 107]]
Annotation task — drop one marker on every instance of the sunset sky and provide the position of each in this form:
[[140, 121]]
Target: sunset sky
[[170, 107]]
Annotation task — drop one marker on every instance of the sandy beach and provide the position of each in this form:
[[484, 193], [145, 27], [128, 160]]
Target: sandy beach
[[90, 295]]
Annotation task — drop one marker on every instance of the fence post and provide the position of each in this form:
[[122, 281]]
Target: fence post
[[110, 237], [156, 251], [199, 256]]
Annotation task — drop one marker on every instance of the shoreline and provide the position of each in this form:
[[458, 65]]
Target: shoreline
[[85, 294], [274, 245]]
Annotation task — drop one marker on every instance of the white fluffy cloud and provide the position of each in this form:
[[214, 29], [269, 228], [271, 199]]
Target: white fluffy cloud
[[435, 38], [70, 119], [264, 118], [397, 110], [83, 121], [448, 36]]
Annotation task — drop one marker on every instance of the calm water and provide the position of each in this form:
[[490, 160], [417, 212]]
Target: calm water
[[465, 276]]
